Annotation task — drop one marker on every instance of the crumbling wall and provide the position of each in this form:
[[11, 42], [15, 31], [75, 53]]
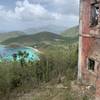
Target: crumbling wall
[[85, 39], [89, 42]]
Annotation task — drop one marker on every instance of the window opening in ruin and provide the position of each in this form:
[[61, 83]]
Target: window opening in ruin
[[94, 14], [91, 64]]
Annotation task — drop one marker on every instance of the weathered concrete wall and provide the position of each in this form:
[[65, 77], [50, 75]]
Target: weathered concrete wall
[[84, 41], [89, 46], [87, 40]]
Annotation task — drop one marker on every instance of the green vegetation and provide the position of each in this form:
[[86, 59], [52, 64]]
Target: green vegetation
[[71, 32], [15, 36], [33, 38], [5, 36], [40, 39], [57, 66], [54, 63]]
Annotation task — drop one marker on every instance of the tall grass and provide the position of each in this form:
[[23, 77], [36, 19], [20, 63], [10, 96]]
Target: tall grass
[[53, 63]]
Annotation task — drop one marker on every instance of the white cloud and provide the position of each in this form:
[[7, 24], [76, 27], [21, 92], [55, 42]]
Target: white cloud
[[26, 12], [1, 7], [60, 2]]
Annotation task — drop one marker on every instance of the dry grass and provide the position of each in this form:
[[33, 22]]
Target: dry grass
[[55, 91]]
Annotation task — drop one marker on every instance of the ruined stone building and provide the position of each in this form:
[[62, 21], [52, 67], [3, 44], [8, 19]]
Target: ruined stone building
[[89, 43]]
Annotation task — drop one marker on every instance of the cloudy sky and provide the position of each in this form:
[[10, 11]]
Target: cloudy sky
[[23, 14]]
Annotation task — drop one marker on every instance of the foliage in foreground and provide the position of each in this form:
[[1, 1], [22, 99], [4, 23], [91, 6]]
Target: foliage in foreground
[[53, 64]]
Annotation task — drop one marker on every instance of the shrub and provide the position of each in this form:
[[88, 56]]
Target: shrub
[[53, 63]]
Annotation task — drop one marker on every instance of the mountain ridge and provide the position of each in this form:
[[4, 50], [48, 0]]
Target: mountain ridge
[[71, 32], [7, 35], [41, 36], [48, 28], [68, 35]]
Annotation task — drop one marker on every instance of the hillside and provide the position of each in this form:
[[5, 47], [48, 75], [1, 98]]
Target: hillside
[[71, 32], [4, 36], [48, 28], [42, 36]]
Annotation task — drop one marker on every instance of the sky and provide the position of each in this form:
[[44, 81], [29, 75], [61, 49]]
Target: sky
[[24, 14]]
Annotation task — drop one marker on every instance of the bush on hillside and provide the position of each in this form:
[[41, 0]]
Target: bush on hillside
[[53, 63]]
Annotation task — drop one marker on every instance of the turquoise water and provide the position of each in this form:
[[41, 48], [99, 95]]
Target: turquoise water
[[6, 53]]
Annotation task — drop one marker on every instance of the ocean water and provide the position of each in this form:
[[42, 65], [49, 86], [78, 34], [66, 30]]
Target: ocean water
[[6, 53]]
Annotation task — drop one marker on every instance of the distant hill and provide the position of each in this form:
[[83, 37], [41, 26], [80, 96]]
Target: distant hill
[[7, 35], [68, 36], [48, 28], [38, 37], [71, 32]]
